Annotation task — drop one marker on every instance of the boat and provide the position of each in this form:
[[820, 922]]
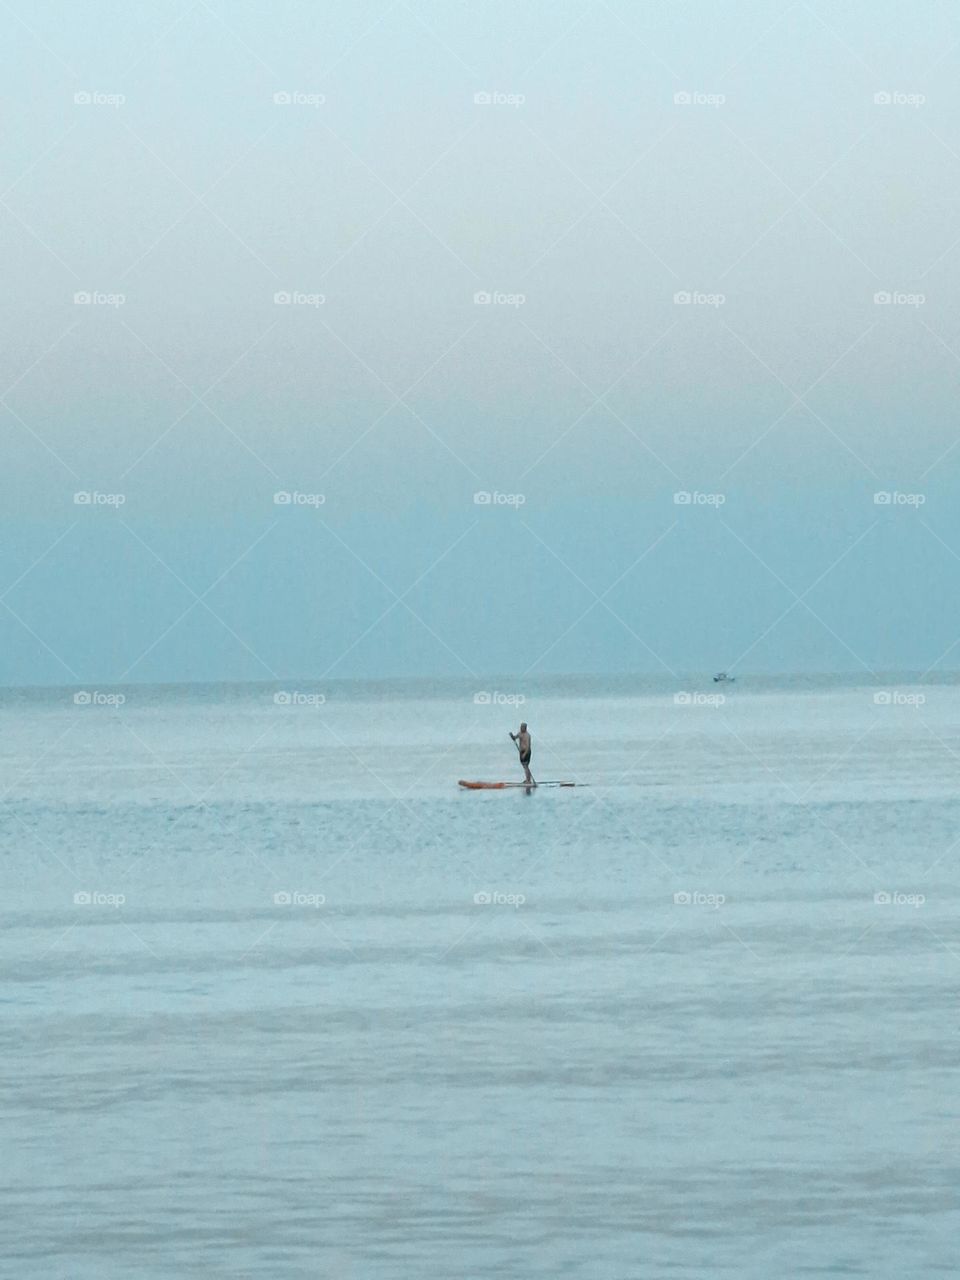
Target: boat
[[722, 678], [504, 786]]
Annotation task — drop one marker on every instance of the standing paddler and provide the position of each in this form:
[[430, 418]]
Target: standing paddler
[[522, 741]]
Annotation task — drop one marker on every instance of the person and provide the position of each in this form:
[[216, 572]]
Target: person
[[522, 740]]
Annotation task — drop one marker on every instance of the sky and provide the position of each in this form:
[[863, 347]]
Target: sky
[[431, 338]]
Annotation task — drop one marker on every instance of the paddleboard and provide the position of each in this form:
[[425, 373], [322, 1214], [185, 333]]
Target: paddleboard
[[503, 786]]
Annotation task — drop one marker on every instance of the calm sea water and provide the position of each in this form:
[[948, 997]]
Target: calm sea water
[[276, 1000]]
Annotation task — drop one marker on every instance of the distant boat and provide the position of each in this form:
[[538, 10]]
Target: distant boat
[[722, 678]]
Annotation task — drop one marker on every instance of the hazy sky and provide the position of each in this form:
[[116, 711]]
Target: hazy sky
[[181, 164]]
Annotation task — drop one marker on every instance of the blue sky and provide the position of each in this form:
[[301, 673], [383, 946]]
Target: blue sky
[[588, 166]]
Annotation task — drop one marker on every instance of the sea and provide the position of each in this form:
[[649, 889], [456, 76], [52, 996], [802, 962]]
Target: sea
[[278, 999]]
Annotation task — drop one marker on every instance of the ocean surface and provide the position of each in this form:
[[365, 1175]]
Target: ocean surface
[[278, 1000]]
